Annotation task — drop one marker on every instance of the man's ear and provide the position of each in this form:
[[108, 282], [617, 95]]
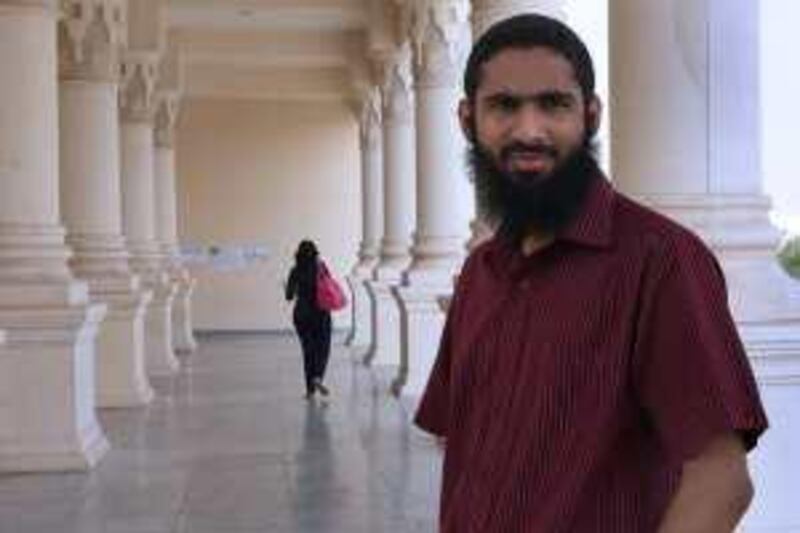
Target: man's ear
[[466, 119], [594, 112]]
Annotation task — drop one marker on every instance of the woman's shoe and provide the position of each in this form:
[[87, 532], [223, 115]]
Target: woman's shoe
[[322, 389]]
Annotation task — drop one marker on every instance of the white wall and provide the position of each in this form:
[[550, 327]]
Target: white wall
[[780, 86], [265, 173]]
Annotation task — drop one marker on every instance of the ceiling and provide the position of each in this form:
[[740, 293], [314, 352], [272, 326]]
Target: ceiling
[[268, 49]]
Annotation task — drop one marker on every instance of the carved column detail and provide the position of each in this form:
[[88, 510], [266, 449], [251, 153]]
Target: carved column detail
[[91, 36], [138, 91], [441, 36], [166, 117]]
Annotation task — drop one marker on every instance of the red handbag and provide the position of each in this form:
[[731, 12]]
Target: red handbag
[[330, 296]]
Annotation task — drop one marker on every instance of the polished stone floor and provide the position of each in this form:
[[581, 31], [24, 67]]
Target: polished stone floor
[[230, 445]]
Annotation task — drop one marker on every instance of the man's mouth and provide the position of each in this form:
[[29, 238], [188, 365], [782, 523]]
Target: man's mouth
[[529, 159], [530, 162]]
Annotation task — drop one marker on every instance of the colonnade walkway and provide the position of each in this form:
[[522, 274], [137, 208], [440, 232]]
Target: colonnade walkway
[[230, 446]]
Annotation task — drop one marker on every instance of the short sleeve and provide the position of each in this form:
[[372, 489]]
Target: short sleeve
[[691, 372]]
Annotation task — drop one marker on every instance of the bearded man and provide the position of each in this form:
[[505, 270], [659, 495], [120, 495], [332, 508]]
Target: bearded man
[[590, 377]]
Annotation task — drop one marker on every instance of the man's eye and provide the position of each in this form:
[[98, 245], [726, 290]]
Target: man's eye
[[555, 102], [505, 103]]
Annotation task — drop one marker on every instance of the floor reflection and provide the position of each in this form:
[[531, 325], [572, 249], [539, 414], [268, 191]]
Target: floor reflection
[[230, 446]]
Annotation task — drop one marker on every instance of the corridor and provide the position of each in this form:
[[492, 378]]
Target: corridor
[[230, 446]]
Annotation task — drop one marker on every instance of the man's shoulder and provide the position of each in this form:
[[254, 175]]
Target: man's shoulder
[[477, 275], [478, 256], [641, 226], [466, 274], [481, 250]]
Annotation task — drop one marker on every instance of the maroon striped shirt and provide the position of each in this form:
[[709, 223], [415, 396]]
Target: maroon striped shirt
[[571, 385]]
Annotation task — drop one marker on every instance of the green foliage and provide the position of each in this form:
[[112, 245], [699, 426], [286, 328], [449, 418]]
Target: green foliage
[[789, 256]]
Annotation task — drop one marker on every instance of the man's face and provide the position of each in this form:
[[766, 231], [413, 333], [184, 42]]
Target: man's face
[[529, 114]]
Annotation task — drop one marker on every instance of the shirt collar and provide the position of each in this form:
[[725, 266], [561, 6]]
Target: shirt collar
[[593, 223], [592, 226]]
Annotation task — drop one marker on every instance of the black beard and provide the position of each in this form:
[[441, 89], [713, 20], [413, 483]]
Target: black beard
[[518, 206]]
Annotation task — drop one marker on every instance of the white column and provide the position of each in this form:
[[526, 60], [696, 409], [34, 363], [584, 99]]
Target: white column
[[370, 137], [139, 209], [685, 134], [90, 39], [441, 38], [167, 220], [165, 180], [399, 200], [47, 386]]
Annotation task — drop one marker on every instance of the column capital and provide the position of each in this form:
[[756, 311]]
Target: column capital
[[440, 34], [91, 35], [371, 120], [167, 107], [137, 95], [397, 85]]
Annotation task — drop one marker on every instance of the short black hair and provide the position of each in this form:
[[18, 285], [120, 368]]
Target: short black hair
[[530, 31]]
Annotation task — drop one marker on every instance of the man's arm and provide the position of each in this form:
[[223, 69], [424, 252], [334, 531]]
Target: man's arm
[[714, 491]]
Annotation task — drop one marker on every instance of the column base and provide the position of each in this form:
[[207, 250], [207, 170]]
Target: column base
[[361, 272], [47, 379], [102, 260], [435, 279], [766, 304], [160, 357], [774, 352], [365, 267], [182, 313], [121, 377], [385, 347], [82, 454], [436, 258], [360, 337], [422, 322]]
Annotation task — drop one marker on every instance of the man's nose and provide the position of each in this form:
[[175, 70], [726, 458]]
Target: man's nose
[[530, 125]]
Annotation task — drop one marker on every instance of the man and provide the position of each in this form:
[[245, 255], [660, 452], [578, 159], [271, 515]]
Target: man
[[590, 378]]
